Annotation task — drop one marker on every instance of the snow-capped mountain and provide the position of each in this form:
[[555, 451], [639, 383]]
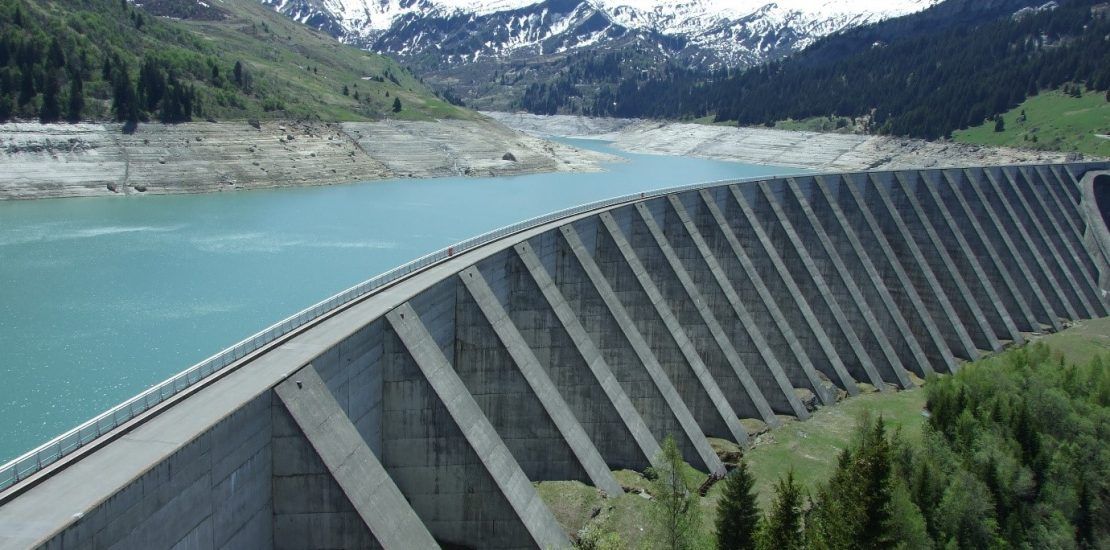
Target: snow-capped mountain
[[730, 32]]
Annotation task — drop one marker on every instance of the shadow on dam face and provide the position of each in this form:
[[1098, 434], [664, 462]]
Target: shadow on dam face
[[422, 414], [1102, 197]]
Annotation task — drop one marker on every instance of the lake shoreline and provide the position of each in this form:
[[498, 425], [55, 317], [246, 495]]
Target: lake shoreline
[[91, 160], [84, 160], [808, 150]]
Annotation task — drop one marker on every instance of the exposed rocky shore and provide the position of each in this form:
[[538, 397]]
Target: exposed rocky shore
[[69, 160], [824, 152], [64, 160]]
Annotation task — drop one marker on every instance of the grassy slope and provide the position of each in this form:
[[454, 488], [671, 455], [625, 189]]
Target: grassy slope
[[828, 125], [809, 448], [1059, 122], [283, 55], [297, 72], [1082, 341]]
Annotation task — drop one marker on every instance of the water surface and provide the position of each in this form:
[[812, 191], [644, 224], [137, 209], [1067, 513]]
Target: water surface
[[101, 298]]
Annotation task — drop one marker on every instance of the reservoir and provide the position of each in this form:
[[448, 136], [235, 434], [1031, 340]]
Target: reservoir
[[101, 298]]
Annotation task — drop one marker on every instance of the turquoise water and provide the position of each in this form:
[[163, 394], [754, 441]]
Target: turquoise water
[[101, 298]]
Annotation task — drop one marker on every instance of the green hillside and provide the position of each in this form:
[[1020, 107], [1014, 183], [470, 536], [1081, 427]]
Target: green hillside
[[1053, 121], [810, 449], [177, 60]]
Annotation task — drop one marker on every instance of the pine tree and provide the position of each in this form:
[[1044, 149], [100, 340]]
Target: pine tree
[[856, 508], [999, 124], [55, 57], [927, 490], [243, 78], [26, 86], [873, 476], [124, 101], [738, 511], [675, 509], [177, 106], [151, 86], [51, 109], [783, 528], [75, 106], [7, 88], [396, 104], [1085, 518], [346, 91]]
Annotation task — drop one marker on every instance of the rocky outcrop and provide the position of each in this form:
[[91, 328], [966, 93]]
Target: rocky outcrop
[[463, 148], [563, 125], [64, 160]]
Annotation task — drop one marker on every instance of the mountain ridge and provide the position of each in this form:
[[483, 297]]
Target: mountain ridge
[[728, 33], [488, 54]]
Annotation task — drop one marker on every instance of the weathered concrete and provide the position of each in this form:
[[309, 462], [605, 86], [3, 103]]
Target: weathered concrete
[[957, 332], [861, 223], [1059, 240], [834, 227], [686, 294], [743, 224], [767, 210], [350, 462], [508, 478], [682, 340], [944, 194], [785, 345], [944, 268], [1044, 184], [1028, 277], [887, 364], [795, 320], [540, 383], [622, 406], [571, 349], [668, 396], [989, 186]]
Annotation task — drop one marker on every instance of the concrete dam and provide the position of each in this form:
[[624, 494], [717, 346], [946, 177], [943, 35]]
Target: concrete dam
[[419, 414]]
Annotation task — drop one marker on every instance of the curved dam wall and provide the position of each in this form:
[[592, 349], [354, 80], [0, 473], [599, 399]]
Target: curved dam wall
[[422, 414]]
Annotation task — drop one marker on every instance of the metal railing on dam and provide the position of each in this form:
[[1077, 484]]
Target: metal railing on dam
[[418, 406]]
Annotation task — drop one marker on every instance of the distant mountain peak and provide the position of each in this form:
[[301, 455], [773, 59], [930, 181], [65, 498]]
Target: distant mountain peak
[[712, 25], [466, 44]]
